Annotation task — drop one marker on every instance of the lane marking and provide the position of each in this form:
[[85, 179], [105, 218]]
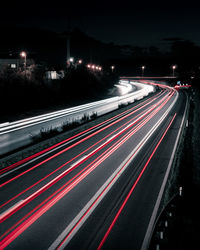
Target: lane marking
[[149, 231], [49, 184], [55, 179], [74, 224], [55, 147], [64, 150], [17, 231], [133, 187]]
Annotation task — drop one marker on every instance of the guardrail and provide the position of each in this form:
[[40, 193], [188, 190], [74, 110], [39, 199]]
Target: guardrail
[[14, 135], [76, 113]]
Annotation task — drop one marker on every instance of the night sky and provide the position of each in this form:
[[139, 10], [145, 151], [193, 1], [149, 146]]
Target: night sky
[[121, 22]]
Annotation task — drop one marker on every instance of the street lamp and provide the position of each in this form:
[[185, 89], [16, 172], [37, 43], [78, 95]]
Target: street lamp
[[173, 70], [71, 59], [23, 55], [70, 62], [143, 67], [112, 68]]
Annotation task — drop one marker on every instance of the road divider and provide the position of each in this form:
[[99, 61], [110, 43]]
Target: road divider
[[76, 113]]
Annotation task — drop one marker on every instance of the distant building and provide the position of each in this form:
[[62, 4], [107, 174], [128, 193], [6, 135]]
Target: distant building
[[54, 75], [13, 62]]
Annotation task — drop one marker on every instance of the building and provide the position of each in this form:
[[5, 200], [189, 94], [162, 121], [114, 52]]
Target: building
[[13, 62], [10, 63], [54, 75]]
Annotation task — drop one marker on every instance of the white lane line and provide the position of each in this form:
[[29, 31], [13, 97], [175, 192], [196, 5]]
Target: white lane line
[[40, 156], [66, 171], [55, 179], [65, 144], [75, 221], [8, 211], [58, 147], [59, 176], [150, 227]]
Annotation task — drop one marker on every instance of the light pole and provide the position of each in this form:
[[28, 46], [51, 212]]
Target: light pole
[[71, 62], [23, 55], [112, 68], [173, 70], [71, 59], [143, 67]]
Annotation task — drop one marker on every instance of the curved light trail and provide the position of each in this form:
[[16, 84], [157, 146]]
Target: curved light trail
[[80, 170]]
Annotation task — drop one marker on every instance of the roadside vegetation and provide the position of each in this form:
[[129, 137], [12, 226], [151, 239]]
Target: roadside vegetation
[[46, 133], [48, 137]]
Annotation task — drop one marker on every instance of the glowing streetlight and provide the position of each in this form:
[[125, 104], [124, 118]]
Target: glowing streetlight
[[112, 68], [80, 61], [71, 59], [173, 70], [23, 55], [89, 66], [143, 68]]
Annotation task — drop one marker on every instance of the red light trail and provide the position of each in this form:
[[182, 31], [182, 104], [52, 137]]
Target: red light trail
[[124, 133]]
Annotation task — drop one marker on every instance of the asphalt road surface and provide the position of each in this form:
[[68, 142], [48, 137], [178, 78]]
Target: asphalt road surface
[[17, 134], [98, 189]]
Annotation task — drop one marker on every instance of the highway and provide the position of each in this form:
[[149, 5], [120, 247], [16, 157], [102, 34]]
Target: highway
[[97, 189], [17, 134]]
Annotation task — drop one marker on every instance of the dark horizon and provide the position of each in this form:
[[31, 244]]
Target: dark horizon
[[138, 24]]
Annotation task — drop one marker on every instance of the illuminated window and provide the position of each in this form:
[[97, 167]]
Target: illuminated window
[[53, 75], [13, 66]]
